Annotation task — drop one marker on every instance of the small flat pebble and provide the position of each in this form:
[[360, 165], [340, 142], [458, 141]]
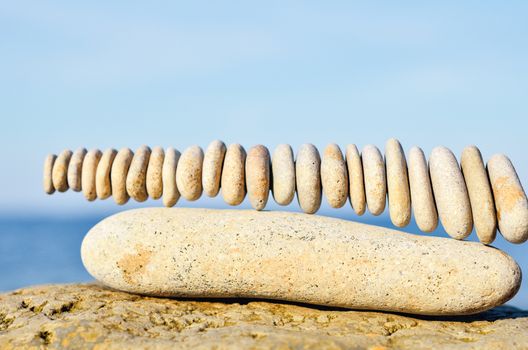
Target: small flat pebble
[[189, 173], [375, 179], [422, 199], [397, 184], [283, 173], [233, 180], [136, 183], [334, 176], [200, 253], [450, 192], [47, 181], [308, 178], [60, 171], [258, 176], [212, 167], [356, 183], [88, 175], [170, 189], [510, 199], [103, 185], [75, 169], [154, 170], [480, 194], [119, 173]]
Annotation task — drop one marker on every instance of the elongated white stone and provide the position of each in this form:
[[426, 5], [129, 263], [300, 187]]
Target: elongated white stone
[[283, 172], [47, 179], [258, 176], [154, 170], [397, 184], [189, 173], [375, 179], [170, 189], [103, 185], [60, 171], [290, 256], [451, 196], [136, 182], [75, 169], [119, 173], [510, 199], [89, 171], [308, 178], [212, 167], [233, 175], [422, 199], [334, 177], [356, 183]]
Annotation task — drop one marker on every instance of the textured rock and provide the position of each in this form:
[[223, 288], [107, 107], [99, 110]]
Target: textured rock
[[375, 179], [334, 176], [154, 180], [47, 178], [422, 199], [189, 173], [119, 173], [297, 257], [89, 170], [75, 169], [308, 178], [356, 183], [283, 172], [170, 189], [60, 171], [91, 316], [397, 184], [212, 167], [510, 199], [450, 193], [258, 176], [103, 185], [480, 195], [233, 180], [137, 173]]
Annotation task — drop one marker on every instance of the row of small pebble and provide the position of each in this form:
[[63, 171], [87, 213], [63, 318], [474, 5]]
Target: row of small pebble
[[473, 194]]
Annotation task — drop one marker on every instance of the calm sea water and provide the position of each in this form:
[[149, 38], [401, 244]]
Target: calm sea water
[[47, 250]]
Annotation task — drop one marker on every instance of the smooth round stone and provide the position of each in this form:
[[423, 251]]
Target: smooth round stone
[[422, 199], [47, 181], [397, 184], [308, 178], [119, 173], [450, 192], [212, 167], [88, 175], [103, 185], [510, 199], [60, 171], [233, 180], [375, 179], [75, 169], [196, 253], [356, 183], [137, 174], [258, 176], [154, 170], [283, 173], [189, 173], [480, 195], [334, 177], [170, 189]]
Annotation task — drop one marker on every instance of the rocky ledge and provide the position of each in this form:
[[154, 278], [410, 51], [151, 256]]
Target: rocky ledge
[[92, 316]]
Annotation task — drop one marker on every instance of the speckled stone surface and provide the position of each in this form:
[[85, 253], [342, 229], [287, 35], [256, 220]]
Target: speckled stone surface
[[60, 171], [356, 183], [103, 185], [233, 180], [450, 193], [258, 177], [375, 179], [154, 181], [47, 178], [283, 173], [308, 178], [119, 174], [422, 199], [75, 168], [480, 195], [189, 173], [212, 167], [137, 173], [170, 189], [93, 317], [510, 199], [397, 184], [334, 176], [89, 170], [297, 257]]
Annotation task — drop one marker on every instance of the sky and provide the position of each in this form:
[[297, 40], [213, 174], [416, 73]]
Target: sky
[[105, 74]]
